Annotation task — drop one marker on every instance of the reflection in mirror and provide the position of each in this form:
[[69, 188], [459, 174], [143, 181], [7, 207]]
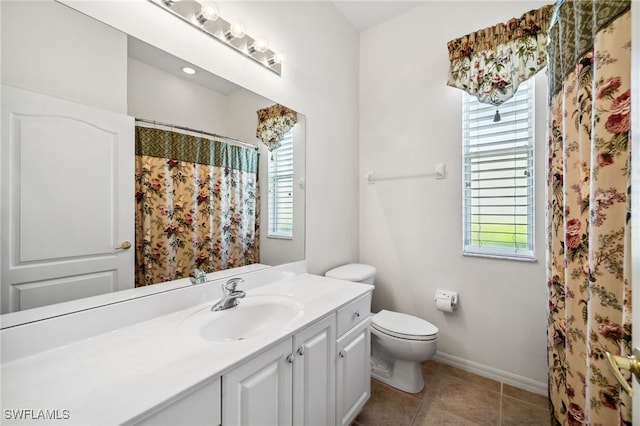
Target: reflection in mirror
[[79, 191]]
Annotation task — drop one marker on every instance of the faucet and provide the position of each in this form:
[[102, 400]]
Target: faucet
[[199, 276], [230, 295]]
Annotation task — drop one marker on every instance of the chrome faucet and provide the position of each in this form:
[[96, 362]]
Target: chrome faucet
[[230, 295], [199, 276]]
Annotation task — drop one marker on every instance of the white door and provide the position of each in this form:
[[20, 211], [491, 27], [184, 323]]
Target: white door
[[67, 173], [259, 391], [314, 385]]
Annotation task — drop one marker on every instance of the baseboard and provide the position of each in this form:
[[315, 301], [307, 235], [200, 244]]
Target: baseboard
[[492, 373]]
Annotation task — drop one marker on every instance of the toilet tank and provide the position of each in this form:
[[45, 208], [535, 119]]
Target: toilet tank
[[357, 272]]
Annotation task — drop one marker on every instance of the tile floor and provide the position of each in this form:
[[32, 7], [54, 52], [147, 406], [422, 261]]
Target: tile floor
[[453, 397]]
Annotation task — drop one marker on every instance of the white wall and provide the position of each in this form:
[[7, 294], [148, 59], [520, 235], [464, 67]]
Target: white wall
[[319, 79], [156, 95], [411, 229], [41, 54]]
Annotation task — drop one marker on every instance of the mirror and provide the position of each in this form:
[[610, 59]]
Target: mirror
[[52, 49]]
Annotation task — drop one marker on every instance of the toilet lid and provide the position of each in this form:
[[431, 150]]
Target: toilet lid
[[352, 272], [404, 326]]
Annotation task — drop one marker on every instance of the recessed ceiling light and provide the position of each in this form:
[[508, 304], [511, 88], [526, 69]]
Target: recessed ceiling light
[[188, 70]]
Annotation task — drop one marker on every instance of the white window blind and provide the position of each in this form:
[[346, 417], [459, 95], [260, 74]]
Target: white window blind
[[280, 178], [498, 165]]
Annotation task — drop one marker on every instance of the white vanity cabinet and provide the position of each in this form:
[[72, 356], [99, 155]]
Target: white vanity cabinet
[[199, 407], [291, 383], [353, 379]]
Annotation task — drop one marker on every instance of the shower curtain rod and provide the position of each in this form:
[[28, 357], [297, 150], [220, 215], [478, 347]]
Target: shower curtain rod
[[202, 132]]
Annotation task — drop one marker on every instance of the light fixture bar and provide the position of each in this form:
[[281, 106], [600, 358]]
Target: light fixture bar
[[225, 32]]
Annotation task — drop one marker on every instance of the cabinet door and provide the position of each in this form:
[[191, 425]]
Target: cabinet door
[[199, 407], [354, 372], [259, 392], [314, 374]]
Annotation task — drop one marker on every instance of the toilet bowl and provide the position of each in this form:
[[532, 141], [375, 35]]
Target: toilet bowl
[[399, 345], [399, 342]]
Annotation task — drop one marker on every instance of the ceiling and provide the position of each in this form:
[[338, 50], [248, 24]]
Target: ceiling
[[168, 63], [364, 14]]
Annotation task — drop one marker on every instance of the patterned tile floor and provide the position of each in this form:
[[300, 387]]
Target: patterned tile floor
[[453, 397]]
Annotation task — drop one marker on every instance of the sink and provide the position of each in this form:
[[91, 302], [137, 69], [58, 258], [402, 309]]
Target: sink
[[254, 315]]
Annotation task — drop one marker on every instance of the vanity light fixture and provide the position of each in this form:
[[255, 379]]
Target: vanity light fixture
[[204, 16], [208, 12]]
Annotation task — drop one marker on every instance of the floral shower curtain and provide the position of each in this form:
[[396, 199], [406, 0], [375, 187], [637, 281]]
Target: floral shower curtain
[[197, 205], [588, 216]]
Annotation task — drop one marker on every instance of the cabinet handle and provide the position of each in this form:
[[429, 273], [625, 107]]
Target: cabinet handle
[[341, 354], [357, 314], [301, 350], [290, 358]]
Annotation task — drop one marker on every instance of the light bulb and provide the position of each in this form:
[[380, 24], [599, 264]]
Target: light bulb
[[260, 44], [235, 30], [188, 70], [208, 12], [278, 58]]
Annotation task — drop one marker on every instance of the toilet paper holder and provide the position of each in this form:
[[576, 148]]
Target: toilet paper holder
[[451, 297]]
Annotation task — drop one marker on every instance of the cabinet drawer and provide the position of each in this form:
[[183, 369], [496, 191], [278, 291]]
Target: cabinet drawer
[[354, 313]]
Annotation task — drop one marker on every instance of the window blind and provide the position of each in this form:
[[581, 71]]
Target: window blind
[[498, 193], [280, 176]]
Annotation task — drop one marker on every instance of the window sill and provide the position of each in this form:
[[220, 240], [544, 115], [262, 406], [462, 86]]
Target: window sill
[[280, 237], [501, 257]]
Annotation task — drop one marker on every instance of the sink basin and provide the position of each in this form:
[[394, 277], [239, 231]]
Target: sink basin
[[254, 315]]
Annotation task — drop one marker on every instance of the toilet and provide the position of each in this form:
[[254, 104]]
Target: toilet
[[399, 342]]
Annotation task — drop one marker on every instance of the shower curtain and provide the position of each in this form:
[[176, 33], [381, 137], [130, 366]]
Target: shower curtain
[[588, 211], [197, 205]]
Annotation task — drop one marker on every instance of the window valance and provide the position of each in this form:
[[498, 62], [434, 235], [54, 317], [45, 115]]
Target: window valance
[[490, 63], [273, 123]]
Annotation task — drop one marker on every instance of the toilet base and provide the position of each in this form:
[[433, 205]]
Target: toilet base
[[403, 375]]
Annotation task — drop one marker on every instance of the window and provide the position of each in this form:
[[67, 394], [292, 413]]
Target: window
[[498, 160], [280, 177]]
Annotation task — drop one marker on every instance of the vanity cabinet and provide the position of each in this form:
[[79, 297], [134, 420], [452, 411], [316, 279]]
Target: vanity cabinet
[[353, 379], [291, 383], [199, 407]]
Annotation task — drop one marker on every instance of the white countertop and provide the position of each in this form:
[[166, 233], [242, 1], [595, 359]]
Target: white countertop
[[115, 377]]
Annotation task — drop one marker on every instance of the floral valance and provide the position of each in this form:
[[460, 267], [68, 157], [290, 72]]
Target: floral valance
[[273, 123], [490, 64]]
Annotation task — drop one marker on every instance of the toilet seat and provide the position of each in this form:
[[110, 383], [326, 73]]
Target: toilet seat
[[404, 326]]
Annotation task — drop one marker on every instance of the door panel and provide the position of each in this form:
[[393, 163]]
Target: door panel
[[354, 373], [46, 292], [259, 391], [314, 374], [67, 200]]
